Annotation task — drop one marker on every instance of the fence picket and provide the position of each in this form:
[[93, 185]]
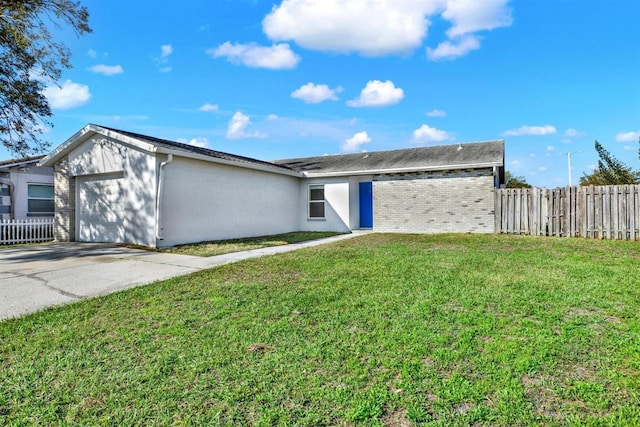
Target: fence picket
[[33, 230], [596, 212]]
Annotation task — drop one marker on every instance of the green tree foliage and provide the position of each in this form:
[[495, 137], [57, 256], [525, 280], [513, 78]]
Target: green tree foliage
[[30, 59], [611, 171], [512, 181]]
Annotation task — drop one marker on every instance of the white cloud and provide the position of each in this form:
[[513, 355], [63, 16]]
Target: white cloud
[[379, 27], [356, 141], [166, 69], [628, 148], [515, 165], [165, 50], [628, 136], [369, 27], [470, 16], [542, 168], [531, 130], [437, 113], [426, 133], [315, 94], [272, 117], [68, 95], [378, 94], [107, 70], [450, 50], [208, 108], [199, 141], [92, 53], [573, 133], [550, 148], [276, 57], [238, 127]]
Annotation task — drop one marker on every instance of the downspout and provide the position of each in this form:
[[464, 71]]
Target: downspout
[[159, 197]]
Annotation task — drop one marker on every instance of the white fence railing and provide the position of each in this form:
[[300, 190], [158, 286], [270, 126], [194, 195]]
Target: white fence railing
[[33, 230]]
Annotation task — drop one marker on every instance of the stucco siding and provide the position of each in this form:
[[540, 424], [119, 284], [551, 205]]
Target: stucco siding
[[337, 206], [437, 202], [98, 159], [204, 201]]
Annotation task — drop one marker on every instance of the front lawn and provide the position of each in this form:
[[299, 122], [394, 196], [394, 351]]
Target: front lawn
[[392, 330], [220, 247]]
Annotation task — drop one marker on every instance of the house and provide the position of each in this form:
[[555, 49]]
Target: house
[[118, 186], [26, 189]]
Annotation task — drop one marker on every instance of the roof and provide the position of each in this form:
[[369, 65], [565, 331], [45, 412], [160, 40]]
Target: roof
[[172, 145], [13, 163], [163, 146], [456, 156], [444, 157]]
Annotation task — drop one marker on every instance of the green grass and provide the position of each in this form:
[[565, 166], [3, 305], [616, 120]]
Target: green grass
[[220, 247], [377, 330]]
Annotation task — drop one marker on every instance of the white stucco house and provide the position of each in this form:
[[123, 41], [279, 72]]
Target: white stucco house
[[118, 186], [26, 189]]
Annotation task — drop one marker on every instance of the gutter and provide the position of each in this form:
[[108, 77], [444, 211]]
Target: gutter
[[400, 170], [159, 195]]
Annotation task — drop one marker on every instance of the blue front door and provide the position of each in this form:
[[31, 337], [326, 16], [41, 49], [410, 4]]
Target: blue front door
[[366, 205]]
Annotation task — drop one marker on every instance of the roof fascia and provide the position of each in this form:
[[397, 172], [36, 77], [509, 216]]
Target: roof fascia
[[254, 166], [19, 164], [401, 170], [83, 134]]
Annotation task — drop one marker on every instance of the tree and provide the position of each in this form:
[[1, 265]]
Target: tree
[[30, 59], [512, 181], [611, 171], [595, 178]]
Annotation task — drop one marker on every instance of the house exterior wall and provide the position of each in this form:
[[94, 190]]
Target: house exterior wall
[[99, 158], [460, 201], [204, 201], [21, 180], [337, 205]]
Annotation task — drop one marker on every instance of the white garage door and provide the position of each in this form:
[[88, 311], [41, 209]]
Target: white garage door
[[100, 208]]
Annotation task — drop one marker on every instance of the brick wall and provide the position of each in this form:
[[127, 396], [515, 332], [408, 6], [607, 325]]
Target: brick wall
[[65, 202], [460, 201]]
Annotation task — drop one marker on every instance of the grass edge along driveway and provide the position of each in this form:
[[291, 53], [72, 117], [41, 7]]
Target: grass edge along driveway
[[377, 330]]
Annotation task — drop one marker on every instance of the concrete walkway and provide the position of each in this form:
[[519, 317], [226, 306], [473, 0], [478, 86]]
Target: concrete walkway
[[38, 276]]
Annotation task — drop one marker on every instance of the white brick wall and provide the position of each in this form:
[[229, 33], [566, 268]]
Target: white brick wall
[[65, 202], [438, 202]]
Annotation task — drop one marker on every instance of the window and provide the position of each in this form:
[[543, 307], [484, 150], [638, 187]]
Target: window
[[316, 201], [40, 200]]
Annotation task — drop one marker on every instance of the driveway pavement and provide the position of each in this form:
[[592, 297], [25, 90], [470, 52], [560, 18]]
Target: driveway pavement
[[39, 276]]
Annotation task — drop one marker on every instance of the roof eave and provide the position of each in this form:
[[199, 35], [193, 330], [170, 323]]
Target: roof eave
[[254, 166], [401, 170]]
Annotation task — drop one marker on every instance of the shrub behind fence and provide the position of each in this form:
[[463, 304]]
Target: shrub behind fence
[[596, 212], [33, 230]]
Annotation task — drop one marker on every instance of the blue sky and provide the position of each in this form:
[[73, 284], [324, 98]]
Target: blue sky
[[289, 78]]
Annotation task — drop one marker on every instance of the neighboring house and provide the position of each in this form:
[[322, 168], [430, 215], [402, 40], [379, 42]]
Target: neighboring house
[[26, 189], [118, 186]]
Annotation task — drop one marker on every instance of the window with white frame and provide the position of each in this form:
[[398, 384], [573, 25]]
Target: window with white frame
[[40, 200], [316, 201]]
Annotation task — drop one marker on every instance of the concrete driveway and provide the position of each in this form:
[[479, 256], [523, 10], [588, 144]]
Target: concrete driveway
[[39, 276]]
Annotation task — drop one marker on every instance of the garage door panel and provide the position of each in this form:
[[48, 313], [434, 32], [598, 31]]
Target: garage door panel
[[100, 209]]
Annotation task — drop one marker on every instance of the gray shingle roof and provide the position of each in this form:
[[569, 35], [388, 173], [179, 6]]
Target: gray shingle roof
[[455, 156], [198, 150]]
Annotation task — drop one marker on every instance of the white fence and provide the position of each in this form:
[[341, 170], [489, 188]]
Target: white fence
[[34, 230]]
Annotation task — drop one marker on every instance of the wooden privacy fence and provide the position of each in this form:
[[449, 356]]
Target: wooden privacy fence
[[34, 230], [602, 212]]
